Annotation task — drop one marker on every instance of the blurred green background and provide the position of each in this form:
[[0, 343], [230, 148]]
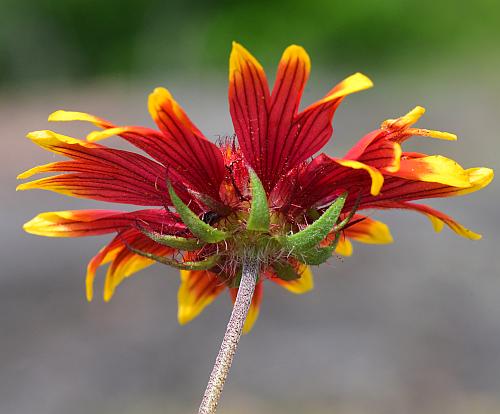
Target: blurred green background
[[407, 328], [84, 39]]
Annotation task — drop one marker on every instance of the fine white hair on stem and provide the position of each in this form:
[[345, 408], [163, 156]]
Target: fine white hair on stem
[[250, 272]]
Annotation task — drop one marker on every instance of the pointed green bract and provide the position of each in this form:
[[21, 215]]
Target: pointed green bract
[[285, 271], [198, 227], [180, 243], [258, 219], [313, 234], [318, 255], [206, 264], [346, 221]]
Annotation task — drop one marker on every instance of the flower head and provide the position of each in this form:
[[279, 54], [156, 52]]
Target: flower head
[[261, 193]]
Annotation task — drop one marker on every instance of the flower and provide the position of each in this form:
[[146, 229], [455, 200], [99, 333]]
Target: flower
[[260, 193]]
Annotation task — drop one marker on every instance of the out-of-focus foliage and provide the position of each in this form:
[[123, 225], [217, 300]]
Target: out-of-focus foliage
[[66, 39]]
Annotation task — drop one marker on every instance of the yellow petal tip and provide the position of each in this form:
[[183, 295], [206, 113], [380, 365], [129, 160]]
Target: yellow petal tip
[[41, 134], [184, 316], [57, 116], [100, 135], [67, 116]]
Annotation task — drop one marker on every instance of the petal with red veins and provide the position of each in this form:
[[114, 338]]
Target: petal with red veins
[[149, 140], [377, 151], [293, 72], [400, 189], [312, 128], [181, 146], [99, 173], [437, 218], [325, 178], [190, 154], [249, 102], [82, 223]]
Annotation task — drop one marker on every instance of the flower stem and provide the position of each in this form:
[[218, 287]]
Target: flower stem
[[231, 338]]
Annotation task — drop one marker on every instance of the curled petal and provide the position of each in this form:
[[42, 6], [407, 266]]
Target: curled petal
[[420, 132], [404, 121], [437, 218], [400, 129], [352, 84], [377, 179], [377, 151]]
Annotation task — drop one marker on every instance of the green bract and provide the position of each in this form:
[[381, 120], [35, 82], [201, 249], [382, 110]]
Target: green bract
[[258, 220], [313, 234], [198, 227], [317, 255], [285, 271], [205, 264], [180, 243]]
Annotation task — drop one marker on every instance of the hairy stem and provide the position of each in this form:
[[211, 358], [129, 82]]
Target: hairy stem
[[231, 337]]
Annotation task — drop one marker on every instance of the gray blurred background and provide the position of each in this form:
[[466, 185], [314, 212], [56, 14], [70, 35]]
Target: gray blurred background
[[407, 328]]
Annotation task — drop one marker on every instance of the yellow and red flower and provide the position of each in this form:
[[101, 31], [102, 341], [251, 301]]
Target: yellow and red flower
[[259, 193]]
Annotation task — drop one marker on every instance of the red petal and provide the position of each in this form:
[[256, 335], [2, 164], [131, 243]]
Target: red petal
[[325, 178], [400, 189], [438, 219], [101, 173], [312, 128], [293, 72], [81, 223], [376, 150], [189, 153], [249, 105]]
